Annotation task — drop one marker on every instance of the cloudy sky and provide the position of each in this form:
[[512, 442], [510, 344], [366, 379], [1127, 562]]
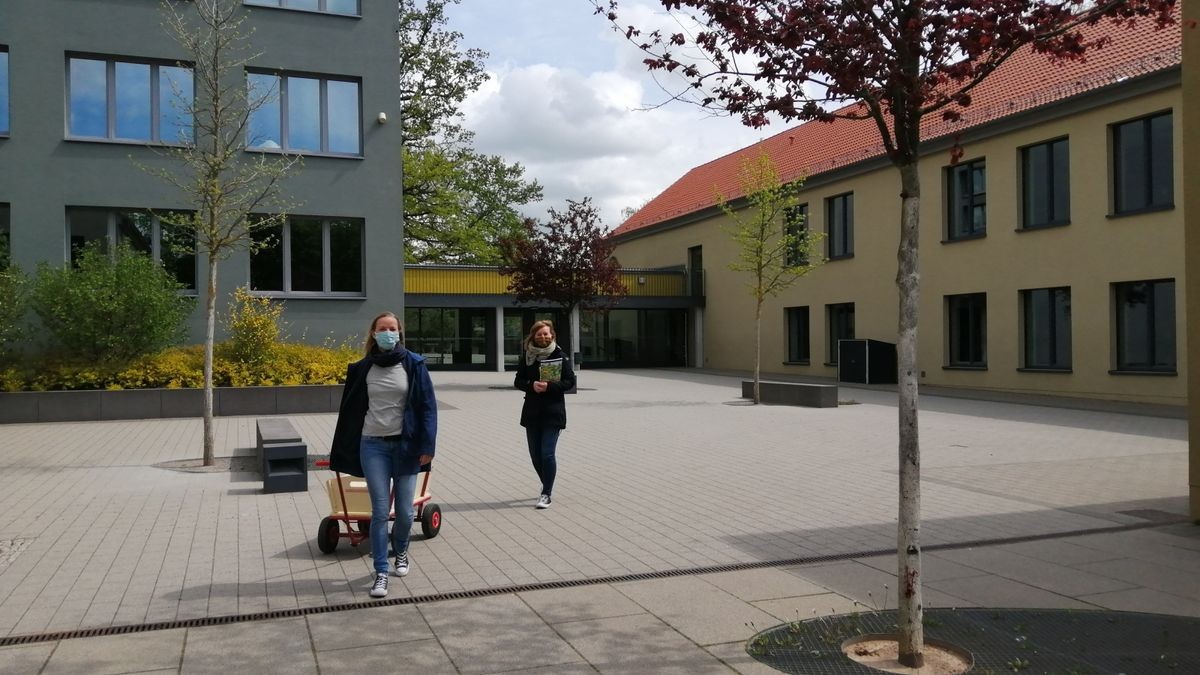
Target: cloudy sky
[[566, 99]]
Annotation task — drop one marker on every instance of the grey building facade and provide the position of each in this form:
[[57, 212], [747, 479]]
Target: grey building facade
[[84, 97]]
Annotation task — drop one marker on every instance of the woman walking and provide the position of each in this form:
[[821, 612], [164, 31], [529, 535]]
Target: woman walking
[[386, 431], [544, 374]]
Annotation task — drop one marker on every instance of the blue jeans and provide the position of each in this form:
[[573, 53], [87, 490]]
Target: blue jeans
[[542, 443], [382, 462]]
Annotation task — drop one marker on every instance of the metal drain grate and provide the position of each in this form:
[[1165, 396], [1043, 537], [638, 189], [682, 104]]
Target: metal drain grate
[[548, 585]]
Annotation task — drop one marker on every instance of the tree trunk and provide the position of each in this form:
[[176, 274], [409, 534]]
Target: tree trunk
[[757, 348], [210, 317], [908, 547]]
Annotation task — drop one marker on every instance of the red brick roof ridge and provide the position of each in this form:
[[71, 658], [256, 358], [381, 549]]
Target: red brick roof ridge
[[1007, 92]]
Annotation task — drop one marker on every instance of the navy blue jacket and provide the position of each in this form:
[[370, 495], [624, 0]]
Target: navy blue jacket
[[548, 409], [419, 436]]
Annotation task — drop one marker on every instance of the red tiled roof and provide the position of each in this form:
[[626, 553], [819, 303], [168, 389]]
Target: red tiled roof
[[1024, 82]]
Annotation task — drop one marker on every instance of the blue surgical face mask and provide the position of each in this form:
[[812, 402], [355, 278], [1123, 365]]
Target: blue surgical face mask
[[387, 339]]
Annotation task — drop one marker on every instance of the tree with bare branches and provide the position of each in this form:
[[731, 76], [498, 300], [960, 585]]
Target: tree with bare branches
[[231, 194]]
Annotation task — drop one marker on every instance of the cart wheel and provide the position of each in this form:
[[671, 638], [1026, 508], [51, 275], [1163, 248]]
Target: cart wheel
[[328, 535], [431, 520], [364, 526]]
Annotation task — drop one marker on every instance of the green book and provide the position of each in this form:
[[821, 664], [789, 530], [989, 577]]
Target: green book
[[550, 370]]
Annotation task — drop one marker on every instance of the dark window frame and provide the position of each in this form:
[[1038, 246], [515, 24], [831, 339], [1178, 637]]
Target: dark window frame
[[155, 113], [1059, 204], [836, 315], [287, 257], [281, 99], [1051, 321], [322, 7], [1153, 168], [6, 112], [798, 226], [798, 334], [976, 308], [957, 203], [1119, 337], [112, 235], [840, 235]]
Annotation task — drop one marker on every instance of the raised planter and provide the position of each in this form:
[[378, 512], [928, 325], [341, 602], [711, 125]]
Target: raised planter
[[124, 404], [793, 393]]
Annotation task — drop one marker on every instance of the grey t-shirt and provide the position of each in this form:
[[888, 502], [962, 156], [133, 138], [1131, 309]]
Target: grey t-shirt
[[387, 394]]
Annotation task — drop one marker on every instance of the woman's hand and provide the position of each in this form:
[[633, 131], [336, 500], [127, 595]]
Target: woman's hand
[[425, 459], [540, 386]]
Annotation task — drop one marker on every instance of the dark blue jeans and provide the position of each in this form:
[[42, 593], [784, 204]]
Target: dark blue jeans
[[542, 443], [383, 465]]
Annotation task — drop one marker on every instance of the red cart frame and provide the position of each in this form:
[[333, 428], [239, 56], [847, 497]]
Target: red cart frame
[[330, 532]]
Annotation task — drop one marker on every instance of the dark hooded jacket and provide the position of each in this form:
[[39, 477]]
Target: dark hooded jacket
[[419, 435], [548, 409]]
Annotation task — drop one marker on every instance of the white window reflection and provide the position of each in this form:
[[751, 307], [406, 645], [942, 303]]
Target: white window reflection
[[3, 91], [331, 6], [126, 100], [304, 114]]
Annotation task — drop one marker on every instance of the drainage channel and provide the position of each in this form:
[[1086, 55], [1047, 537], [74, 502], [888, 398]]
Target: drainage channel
[[550, 585]]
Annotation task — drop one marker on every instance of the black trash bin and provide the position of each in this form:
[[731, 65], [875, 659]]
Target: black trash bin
[[866, 361]]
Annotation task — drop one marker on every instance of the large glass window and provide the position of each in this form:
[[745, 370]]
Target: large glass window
[[309, 256], [449, 336], [1143, 170], [140, 230], [839, 220], [840, 318], [129, 100], [633, 337], [967, 192], [1046, 315], [797, 334], [795, 224], [332, 6], [304, 114], [1045, 184], [1145, 314], [966, 330], [3, 90]]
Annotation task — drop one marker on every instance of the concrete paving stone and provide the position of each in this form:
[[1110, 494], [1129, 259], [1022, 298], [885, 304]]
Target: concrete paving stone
[[637, 644], [580, 668], [495, 634], [25, 658], [280, 646], [994, 591], [364, 627], [1062, 552], [1034, 572], [784, 610], [416, 656], [700, 611], [113, 654], [1149, 546], [1150, 575], [933, 567], [763, 584], [1144, 600], [581, 603], [733, 654]]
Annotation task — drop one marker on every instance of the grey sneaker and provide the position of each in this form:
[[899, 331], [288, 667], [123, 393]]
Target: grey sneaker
[[401, 564], [379, 590], [543, 502]]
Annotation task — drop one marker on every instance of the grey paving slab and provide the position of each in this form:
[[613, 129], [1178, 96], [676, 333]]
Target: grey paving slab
[[806, 607], [281, 646], [870, 587], [994, 591], [496, 634], [580, 604], [365, 627], [638, 644], [934, 567], [1144, 600], [416, 656], [733, 654], [25, 658], [763, 584], [699, 610], [114, 654], [1171, 580], [1034, 572]]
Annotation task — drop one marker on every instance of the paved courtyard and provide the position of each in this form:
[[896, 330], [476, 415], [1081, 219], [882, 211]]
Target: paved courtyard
[[659, 470]]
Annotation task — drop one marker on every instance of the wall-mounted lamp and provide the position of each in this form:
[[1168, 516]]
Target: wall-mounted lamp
[[641, 281], [382, 119]]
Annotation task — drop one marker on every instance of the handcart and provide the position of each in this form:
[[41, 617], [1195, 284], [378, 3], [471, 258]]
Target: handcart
[[350, 503]]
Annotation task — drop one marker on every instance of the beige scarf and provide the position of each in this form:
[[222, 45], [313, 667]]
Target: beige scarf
[[533, 353]]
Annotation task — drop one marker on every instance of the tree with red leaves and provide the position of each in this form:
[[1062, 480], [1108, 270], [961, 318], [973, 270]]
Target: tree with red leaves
[[567, 262], [893, 63]]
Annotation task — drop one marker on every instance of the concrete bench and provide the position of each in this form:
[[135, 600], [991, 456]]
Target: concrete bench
[[282, 456], [793, 393]]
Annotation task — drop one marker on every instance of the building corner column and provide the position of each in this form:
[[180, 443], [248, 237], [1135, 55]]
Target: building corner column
[[1190, 150]]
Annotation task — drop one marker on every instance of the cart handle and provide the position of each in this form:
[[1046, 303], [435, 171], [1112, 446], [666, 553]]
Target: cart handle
[[321, 463]]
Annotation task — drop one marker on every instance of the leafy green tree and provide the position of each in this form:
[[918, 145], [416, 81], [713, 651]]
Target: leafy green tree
[[111, 305], [458, 203], [14, 303], [773, 243]]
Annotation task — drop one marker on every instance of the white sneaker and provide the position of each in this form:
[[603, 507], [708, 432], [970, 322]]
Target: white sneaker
[[543, 502], [401, 564], [379, 590]]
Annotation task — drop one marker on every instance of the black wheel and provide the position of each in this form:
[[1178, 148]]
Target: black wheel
[[364, 527], [328, 535], [431, 520]]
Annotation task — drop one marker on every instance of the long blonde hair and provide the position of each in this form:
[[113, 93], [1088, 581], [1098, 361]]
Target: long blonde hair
[[370, 345], [537, 325]]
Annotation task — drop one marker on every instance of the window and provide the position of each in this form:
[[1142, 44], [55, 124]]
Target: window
[[309, 256], [1045, 185], [795, 224], [1146, 325], [967, 192], [141, 231], [128, 100], [332, 6], [3, 90], [841, 327], [1046, 315], [797, 334], [5, 238], [303, 114], [966, 330], [840, 222], [1143, 172]]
